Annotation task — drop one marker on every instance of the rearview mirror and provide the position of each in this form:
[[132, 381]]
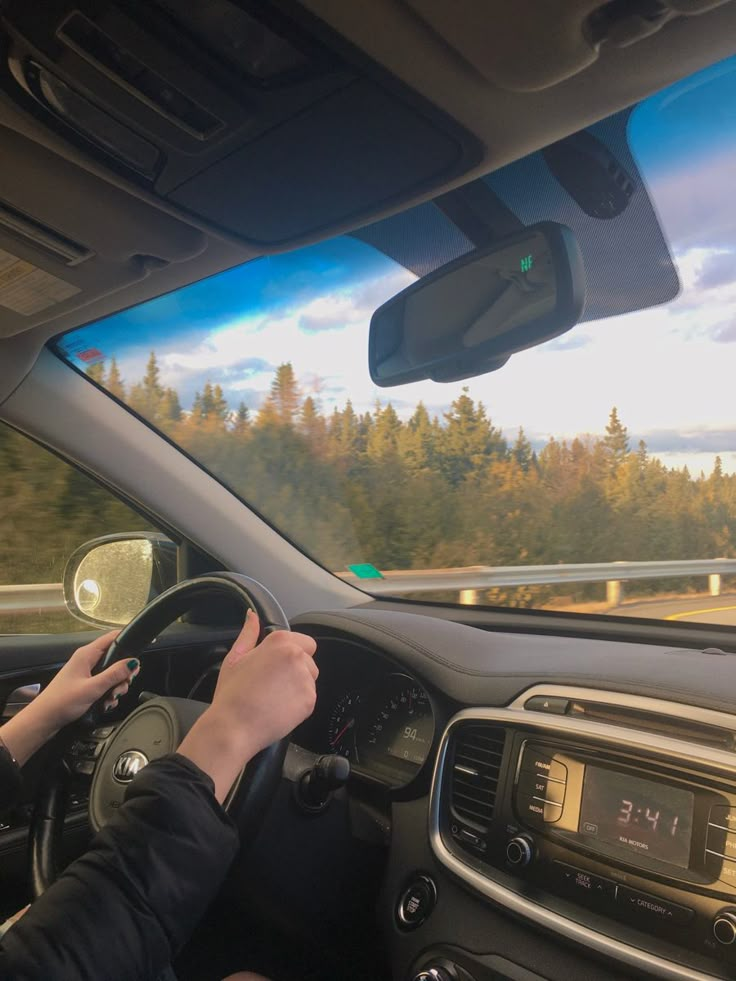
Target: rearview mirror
[[108, 580], [470, 316]]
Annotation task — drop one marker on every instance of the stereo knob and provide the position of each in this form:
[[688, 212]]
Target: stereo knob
[[724, 927], [520, 851]]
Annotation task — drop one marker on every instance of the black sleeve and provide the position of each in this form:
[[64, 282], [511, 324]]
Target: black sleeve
[[123, 910], [10, 778]]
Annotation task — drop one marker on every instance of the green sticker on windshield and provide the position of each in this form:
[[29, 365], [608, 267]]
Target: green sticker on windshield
[[365, 570]]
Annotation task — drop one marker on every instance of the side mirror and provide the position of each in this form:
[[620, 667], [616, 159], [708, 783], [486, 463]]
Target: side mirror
[[468, 317], [108, 580]]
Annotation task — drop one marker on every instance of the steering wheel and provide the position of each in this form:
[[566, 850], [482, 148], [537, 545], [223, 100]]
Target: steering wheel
[[152, 730]]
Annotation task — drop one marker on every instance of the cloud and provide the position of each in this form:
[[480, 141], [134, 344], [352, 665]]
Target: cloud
[[694, 203], [719, 269], [334, 311], [695, 441], [724, 333], [566, 343], [330, 313]]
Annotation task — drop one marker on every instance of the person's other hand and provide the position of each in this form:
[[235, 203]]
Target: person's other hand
[[74, 689], [263, 692]]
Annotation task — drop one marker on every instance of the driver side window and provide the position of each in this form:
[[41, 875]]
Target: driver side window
[[48, 508]]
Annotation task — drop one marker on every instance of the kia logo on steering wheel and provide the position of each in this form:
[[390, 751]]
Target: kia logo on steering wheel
[[128, 764]]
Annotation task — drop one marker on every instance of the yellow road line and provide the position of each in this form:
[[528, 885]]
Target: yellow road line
[[695, 613]]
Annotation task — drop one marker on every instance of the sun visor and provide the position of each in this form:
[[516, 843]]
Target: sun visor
[[61, 250], [526, 46]]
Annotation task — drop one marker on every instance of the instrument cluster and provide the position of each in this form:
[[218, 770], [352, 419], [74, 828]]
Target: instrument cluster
[[376, 716]]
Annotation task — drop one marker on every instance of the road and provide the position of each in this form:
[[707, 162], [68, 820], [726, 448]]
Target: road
[[698, 609]]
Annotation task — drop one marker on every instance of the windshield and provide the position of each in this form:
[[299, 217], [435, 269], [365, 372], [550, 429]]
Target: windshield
[[614, 443]]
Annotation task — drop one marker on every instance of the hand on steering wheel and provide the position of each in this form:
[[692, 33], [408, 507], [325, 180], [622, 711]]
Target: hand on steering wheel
[[160, 725], [71, 693]]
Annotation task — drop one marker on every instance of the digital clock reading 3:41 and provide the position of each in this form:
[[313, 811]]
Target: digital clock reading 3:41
[[646, 817]]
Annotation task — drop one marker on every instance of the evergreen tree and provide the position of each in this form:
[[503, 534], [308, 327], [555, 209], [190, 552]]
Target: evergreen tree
[[616, 441], [114, 382], [285, 397], [220, 409], [241, 421], [522, 451], [469, 440], [96, 372], [169, 407]]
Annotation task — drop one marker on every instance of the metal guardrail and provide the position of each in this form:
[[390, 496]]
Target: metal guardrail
[[40, 598], [487, 577], [48, 597]]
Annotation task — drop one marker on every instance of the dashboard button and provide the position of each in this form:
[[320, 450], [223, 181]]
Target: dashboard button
[[416, 902], [549, 791], [723, 817], [543, 765], [547, 703], [585, 883], [651, 908], [532, 785], [720, 867], [723, 842], [530, 810], [537, 812], [555, 792]]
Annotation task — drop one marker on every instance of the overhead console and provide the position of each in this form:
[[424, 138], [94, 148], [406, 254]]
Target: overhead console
[[256, 122], [608, 819]]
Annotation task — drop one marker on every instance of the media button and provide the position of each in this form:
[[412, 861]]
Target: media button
[[652, 908], [530, 810]]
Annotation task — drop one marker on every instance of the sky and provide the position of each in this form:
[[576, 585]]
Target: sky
[[669, 369]]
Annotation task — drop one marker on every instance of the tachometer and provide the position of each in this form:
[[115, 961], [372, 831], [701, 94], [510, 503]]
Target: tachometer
[[341, 727], [397, 728]]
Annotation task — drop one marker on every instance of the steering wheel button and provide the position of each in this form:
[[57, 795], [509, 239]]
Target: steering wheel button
[[103, 732], [416, 902]]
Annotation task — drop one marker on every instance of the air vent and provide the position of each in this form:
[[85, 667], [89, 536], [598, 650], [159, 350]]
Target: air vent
[[476, 767]]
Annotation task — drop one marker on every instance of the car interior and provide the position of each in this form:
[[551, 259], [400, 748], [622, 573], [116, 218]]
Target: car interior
[[497, 783]]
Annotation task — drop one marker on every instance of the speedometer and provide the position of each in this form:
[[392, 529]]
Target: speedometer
[[397, 728], [341, 726]]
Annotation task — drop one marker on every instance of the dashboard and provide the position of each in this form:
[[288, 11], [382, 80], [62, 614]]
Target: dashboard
[[552, 807], [370, 711]]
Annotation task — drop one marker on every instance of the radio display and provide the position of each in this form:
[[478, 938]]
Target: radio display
[[651, 819]]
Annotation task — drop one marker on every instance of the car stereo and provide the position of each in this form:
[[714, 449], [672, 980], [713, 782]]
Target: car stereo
[[681, 830], [622, 840]]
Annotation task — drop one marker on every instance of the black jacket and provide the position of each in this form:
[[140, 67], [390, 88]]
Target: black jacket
[[123, 910]]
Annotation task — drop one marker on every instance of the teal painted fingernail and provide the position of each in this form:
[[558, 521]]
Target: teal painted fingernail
[[132, 664]]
